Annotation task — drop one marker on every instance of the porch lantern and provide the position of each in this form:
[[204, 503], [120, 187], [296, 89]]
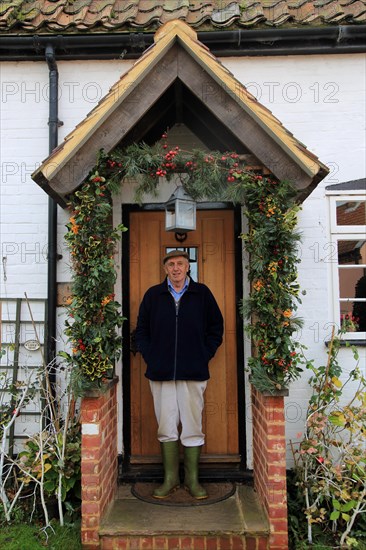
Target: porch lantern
[[180, 212]]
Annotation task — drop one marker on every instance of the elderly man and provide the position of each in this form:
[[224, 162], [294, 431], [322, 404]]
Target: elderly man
[[179, 329]]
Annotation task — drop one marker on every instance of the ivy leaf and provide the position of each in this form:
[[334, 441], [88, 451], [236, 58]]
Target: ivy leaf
[[334, 515]]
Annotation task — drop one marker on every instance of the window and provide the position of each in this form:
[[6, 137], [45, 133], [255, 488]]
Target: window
[[348, 231]]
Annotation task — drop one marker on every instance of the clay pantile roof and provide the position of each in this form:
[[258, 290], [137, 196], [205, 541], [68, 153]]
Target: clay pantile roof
[[100, 16]]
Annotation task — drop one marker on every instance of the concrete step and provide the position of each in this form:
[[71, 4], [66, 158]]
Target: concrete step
[[236, 523]]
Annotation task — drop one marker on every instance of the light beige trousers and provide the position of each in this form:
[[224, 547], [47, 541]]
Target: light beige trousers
[[179, 402]]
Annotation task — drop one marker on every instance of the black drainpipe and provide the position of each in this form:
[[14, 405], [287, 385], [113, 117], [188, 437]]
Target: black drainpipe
[[52, 257]]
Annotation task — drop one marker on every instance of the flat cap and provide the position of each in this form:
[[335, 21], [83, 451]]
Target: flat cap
[[175, 254]]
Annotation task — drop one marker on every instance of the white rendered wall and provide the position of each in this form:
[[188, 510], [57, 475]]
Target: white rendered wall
[[320, 99]]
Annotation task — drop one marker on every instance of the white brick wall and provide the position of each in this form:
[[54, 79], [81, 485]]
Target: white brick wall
[[24, 144], [318, 98]]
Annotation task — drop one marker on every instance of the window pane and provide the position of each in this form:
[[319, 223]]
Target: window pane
[[350, 282], [355, 311], [351, 213], [352, 252]]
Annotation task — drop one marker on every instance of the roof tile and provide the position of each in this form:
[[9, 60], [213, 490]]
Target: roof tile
[[252, 15], [76, 6], [225, 16], [26, 16], [6, 6]]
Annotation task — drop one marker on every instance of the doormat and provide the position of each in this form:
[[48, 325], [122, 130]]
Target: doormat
[[216, 493]]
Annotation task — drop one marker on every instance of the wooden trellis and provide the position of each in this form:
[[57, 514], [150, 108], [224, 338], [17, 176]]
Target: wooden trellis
[[22, 343]]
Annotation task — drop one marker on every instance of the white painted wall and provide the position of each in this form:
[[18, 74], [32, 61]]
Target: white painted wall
[[321, 99]]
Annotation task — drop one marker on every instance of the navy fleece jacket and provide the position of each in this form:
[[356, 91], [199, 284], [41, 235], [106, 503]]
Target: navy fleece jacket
[[177, 342]]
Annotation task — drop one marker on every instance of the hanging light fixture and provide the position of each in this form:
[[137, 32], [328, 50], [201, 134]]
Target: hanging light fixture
[[180, 212]]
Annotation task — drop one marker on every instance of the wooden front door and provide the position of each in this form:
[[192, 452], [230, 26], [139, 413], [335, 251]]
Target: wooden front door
[[211, 248]]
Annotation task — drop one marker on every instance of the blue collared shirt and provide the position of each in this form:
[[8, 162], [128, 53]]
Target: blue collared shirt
[[177, 295]]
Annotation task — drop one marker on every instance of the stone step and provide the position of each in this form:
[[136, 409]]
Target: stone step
[[236, 523]]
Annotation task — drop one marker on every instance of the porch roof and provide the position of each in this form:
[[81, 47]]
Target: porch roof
[[104, 127]]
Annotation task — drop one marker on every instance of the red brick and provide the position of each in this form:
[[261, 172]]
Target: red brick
[[273, 402], [273, 445], [136, 543], [160, 543], [276, 414], [186, 543], [91, 453], [251, 543], [121, 544], [90, 536], [274, 457], [107, 543], [90, 479], [278, 541], [173, 543], [238, 543], [276, 469], [91, 403], [92, 441], [146, 543], [278, 525], [90, 508], [91, 546], [278, 512], [199, 543], [276, 429], [262, 543], [90, 415], [91, 522], [91, 492], [90, 467], [211, 543], [224, 543]]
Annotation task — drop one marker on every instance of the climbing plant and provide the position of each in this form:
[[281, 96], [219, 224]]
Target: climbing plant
[[271, 242], [330, 460], [94, 314]]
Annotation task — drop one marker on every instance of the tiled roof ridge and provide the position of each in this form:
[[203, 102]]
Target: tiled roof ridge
[[83, 16]]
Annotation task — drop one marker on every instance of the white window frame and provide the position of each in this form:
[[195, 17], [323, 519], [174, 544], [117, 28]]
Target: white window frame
[[343, 233]]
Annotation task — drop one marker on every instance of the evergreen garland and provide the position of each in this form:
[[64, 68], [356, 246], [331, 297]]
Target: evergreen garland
[[271, 242], [94, 314]]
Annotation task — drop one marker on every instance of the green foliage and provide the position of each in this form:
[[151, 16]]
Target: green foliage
[[23, 536], [94, 313], [42, 458], [330, 459], [203, 175], [271, 243]]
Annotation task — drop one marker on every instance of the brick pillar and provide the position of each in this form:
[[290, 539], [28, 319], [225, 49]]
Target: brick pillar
[[269, 457], [99, 464]]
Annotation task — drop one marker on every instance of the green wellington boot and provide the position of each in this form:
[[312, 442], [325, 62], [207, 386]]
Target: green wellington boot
[[170, 454], [191, 460]]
